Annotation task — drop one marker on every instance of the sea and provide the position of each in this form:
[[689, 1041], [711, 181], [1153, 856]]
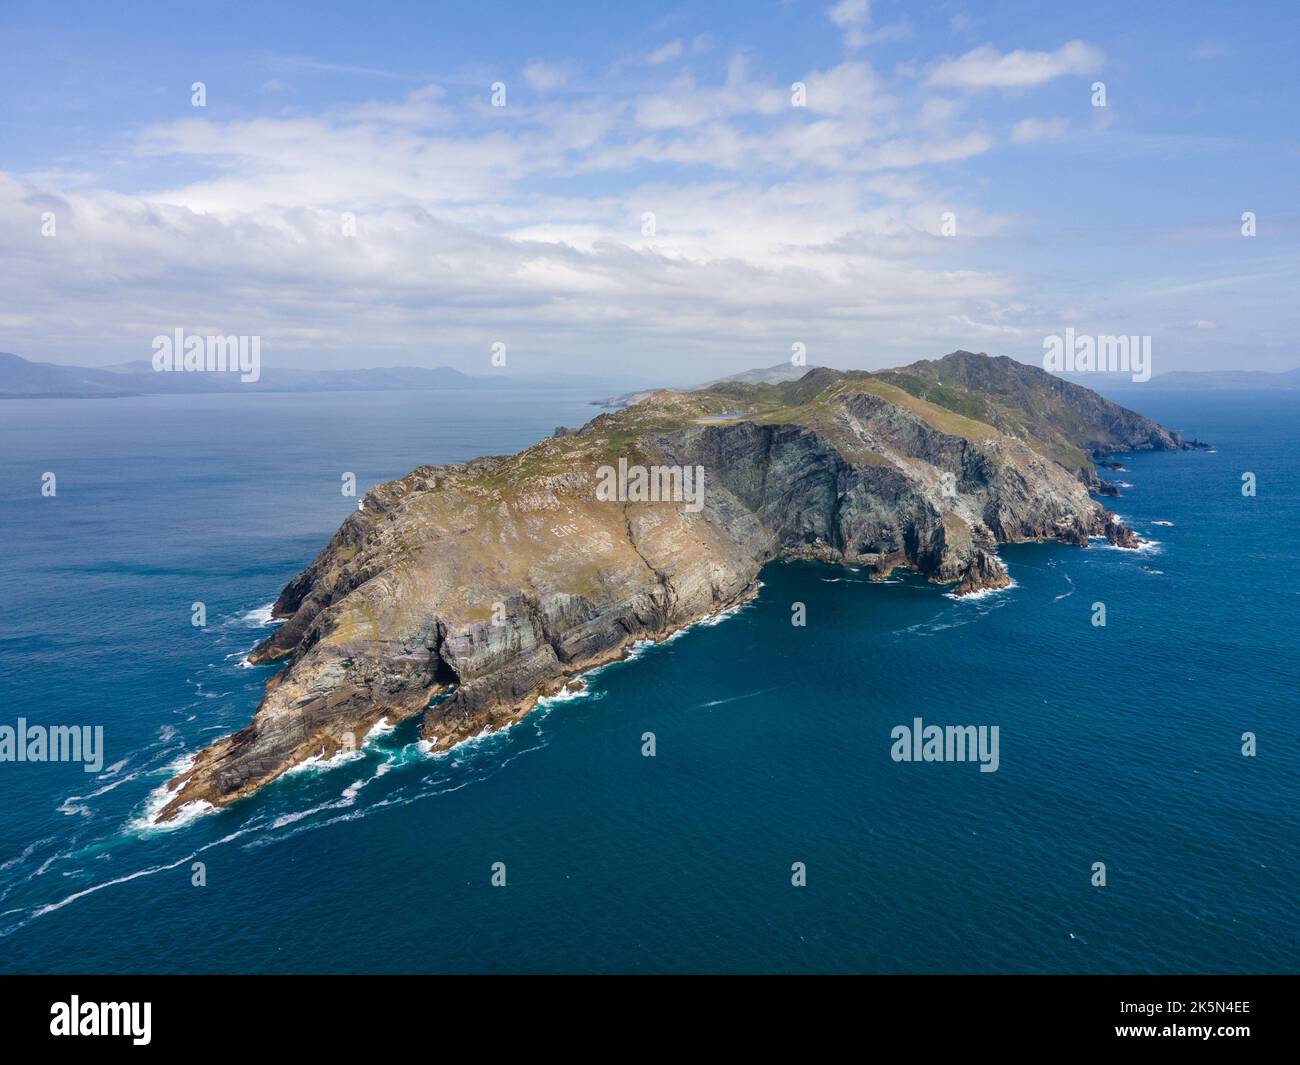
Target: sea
[[1143, 816]]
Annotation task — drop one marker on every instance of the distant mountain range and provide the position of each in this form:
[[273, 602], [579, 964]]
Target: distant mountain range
[[767, 375], [21, 379], [1288, 379], [1192, 380]]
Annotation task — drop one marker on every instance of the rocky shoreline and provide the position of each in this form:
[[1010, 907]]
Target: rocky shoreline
[[451, 733], [498, 582]]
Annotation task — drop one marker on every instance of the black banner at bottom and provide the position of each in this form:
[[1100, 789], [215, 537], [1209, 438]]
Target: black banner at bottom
[[362, 1013]]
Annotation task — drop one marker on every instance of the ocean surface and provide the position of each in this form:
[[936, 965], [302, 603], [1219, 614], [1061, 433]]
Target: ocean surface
[[1119, 744]]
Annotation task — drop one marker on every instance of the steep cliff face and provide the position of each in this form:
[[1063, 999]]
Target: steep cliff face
[[494, 582]]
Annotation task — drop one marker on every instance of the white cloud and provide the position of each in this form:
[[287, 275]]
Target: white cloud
[[523, 223], [848, 87], [687, 103], [985, 67], [664, 53], [1028, 130], [731, 267], [544, 76], [294, 62], [853, 17]]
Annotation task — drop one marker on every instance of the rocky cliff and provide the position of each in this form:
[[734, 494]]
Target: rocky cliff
[[494, 582]]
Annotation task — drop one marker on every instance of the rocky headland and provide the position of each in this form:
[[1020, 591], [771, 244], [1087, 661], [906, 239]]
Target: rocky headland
[[495, 582]]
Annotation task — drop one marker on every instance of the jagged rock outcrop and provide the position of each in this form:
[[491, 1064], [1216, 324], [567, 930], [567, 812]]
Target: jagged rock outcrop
[[494, 582]]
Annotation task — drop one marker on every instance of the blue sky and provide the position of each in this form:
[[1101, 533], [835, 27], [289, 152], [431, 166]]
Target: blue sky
[[773, 223]]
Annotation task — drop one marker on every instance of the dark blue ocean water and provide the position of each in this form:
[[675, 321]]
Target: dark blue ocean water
[[1119, 744]]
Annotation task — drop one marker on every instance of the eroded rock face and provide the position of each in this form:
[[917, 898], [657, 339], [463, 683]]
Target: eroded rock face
[[495, 582]]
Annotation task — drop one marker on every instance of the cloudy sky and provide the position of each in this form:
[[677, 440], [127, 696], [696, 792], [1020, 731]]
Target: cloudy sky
[[651, 200]]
